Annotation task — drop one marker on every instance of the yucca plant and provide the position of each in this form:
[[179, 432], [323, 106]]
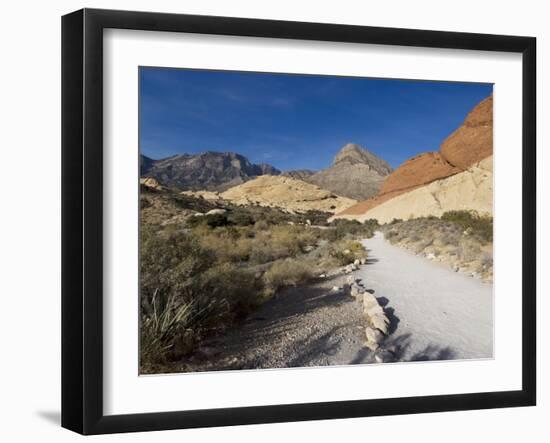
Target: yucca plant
[[168, 326]]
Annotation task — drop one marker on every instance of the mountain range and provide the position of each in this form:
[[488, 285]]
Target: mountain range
[[355, 173], [212, 171]]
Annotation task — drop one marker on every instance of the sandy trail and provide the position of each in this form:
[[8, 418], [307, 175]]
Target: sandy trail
[[435, 313]]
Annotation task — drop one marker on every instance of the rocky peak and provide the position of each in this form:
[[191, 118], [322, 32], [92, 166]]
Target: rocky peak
[[353, 154]]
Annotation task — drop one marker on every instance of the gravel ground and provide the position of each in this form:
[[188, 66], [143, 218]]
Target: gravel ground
[[435, 314]]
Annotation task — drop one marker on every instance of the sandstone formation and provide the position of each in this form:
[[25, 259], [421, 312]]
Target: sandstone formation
[[287, 193], [418, 171], [473, 141], [212, 171], [458, 177], [355, 173], [468, 190], [150, 183]]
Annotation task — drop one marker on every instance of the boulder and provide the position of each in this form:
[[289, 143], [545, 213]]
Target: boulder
[[373, 311], [216, 211], [380, 322], [373, 335], [369, 300]]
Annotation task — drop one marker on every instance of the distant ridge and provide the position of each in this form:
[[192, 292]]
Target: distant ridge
[[213, 171]]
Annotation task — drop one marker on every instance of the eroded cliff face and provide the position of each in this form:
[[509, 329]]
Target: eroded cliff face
[[473, 141], [457, 177], [468, 190]]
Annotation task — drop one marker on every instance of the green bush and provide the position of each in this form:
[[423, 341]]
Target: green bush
[[240, 219], [347, 251], [351, 228], [481, 226], [287, 272]]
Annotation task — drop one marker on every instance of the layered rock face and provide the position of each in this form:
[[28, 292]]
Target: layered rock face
[[473, 141], [287, 193], [418, 171], [459, 177], [355, 173], [213, 171]]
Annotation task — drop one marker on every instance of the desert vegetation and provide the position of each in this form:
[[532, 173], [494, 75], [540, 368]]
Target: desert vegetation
[[462, 239], [204, 266]]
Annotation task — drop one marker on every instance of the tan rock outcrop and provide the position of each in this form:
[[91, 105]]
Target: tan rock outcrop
[[469, 190], [150, 183], [287, 193]]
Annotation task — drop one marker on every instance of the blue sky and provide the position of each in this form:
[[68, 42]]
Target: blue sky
[[296, 121]]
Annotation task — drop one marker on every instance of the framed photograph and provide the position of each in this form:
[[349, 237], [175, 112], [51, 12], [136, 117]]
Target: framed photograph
[[269, 221]]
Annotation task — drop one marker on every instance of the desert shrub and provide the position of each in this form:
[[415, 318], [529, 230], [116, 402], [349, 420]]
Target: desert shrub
[[235, 288], [224, 244], [167, 329], [292, 239], [395, 221], [481, 226], [168, 263], [346, 251], [216, 220], [287, 272], [315, 217], [261, 225], [240, 219], [371, 223], [343, 228], [182, 201], [468, 250]]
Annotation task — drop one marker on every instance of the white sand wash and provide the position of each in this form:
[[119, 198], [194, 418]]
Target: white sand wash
[[438, 314]]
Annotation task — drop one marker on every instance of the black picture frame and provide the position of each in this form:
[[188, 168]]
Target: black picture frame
[[82, 218]]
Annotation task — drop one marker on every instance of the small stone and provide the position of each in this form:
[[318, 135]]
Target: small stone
[[323, 276], [430, 256], [369, 300], [373, 335], [335, 289], [356, 262], [363, 261], [216, 211], [380, 322], [374, 311]]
